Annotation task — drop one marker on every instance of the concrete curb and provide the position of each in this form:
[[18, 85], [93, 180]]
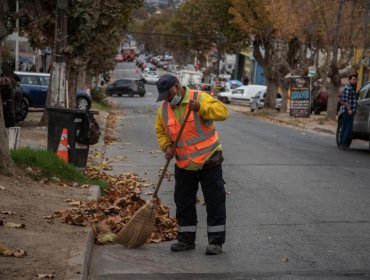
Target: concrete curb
[[79, 260]]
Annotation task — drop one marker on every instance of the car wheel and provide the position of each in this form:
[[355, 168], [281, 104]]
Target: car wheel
[[82, 103], [131, 93], [339, 129], [23, 111], [142, 94], [225, 100], [119, 94]]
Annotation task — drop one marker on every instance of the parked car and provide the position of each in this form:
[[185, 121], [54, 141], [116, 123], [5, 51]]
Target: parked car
[[258, 101], [241, 94], [118, 58], [148, 68], [203, 87], [35, 86], [150, 77], [319, 100], [126, 86], [361, 120]]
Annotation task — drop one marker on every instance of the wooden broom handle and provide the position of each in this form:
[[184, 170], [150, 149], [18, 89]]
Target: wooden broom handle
[[168, 161]]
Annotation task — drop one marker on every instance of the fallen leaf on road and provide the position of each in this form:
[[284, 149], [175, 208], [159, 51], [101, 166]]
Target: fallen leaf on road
[[284, 259], [5, 251], [140, 151], [228, 192], [8, 212], [114, 209], [13, 225], [48, 217], [107, 238], [74, 203], [19, 253], [46, 275], [2, 188]]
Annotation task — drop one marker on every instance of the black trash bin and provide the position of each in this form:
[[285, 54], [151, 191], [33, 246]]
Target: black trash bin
[[59, 118]]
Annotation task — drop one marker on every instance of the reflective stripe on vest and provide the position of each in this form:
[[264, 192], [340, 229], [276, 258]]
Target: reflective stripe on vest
[[187, 228], [192, 146], [199, 152], [221, 228]]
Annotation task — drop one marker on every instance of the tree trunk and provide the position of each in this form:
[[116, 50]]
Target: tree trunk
[[284, 103], [7, 166], [272, 89], [72, 90], [333, 95], [6, 163]]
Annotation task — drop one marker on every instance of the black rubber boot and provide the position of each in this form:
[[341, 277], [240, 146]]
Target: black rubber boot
[[182, 246], [214, 249]]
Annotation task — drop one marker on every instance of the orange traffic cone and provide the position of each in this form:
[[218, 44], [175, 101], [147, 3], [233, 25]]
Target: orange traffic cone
[[63, 146]]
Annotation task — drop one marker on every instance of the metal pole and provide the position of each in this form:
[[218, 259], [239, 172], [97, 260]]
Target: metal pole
[[17, 36], [218, 57]]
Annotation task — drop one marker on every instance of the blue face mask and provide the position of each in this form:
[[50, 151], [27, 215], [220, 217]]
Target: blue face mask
[[176, 100]]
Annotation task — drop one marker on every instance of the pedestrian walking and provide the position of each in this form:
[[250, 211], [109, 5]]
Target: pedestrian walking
[[198, 160], [348, 111]]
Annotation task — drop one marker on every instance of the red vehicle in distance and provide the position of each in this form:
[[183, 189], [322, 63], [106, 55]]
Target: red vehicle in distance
[[128, 53]]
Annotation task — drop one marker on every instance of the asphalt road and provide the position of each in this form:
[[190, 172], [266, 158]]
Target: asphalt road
[[297, 207]]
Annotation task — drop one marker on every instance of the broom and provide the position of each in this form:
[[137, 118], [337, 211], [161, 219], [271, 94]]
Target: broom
[[140, 227]]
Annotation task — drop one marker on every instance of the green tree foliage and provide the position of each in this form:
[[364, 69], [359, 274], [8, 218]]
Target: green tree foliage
[[196, 26], [95, 30], [155, 24]]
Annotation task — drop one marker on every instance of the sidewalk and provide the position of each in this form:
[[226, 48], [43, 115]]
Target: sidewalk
[[318, 123], [53, 248]]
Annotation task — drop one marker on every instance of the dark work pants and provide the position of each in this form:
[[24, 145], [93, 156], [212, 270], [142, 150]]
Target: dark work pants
[[346, 129], [186, 187]]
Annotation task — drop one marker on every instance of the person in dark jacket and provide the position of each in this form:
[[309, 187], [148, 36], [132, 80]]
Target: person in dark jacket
[[348, 111]]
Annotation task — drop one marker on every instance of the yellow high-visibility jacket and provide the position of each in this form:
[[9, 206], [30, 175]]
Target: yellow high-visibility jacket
[[210, 110]]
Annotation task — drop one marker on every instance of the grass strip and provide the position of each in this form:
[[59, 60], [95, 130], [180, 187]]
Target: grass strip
[[50, 165]]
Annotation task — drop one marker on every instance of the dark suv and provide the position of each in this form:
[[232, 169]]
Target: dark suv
[[126, 86]]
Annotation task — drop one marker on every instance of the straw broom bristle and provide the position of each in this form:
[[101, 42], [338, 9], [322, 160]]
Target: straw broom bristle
[[140, 227]]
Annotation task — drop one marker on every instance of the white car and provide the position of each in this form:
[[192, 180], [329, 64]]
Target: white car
[[258, 101], [241, 94], [150, 77]]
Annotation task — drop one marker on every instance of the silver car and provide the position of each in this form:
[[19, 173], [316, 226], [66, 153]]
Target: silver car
[[361, 121], [258, 101]]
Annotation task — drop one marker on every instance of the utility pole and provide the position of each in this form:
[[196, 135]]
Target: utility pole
[[220, 42]]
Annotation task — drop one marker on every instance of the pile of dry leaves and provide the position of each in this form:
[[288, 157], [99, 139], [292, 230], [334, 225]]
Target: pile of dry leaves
[[114, 209]]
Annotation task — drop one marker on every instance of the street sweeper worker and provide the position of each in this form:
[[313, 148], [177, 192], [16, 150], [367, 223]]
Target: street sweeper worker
[[198, 159]]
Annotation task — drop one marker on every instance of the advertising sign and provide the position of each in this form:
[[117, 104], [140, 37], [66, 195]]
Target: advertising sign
[[299, 93]]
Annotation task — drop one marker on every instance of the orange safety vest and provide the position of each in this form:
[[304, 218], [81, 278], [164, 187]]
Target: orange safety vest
[[199, 138]]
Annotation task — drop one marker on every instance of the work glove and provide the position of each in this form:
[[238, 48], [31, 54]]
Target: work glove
[[170, 152], [194, 105]]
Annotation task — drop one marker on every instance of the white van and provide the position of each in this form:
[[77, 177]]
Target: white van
[[241, 94]]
